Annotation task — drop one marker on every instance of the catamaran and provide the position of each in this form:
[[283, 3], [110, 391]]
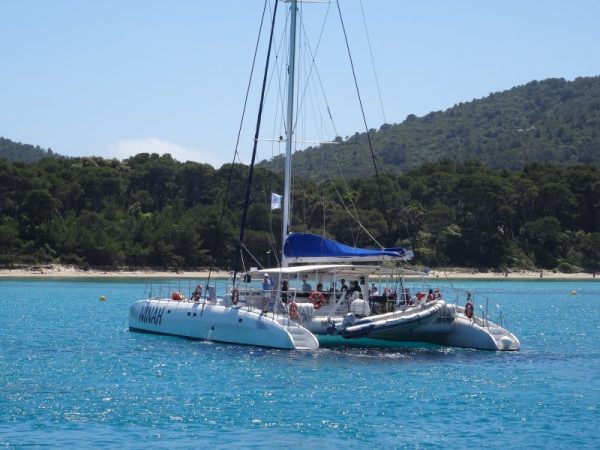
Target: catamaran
[[285, 311]]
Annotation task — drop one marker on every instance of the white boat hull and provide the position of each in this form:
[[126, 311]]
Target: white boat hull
[[438, 323], [216, 322], [460, 331]]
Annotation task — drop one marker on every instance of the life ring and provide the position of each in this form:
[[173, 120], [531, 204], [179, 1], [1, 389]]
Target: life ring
[[317, 299], [469, 310], [293, 311], [235, 296], [176, 296]]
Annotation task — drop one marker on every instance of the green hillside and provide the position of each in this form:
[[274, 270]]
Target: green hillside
[[552, 121], [15, 151]]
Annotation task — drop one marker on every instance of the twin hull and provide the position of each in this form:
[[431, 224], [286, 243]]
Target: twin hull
[[459, 331], [442, 325], [215, 322], [439, 323]]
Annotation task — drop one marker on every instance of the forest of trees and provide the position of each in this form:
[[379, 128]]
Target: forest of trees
[[154, 211], [16, 151], [551, 121]]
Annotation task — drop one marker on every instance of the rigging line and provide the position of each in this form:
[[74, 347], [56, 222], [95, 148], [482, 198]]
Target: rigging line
[[347, 188], [311, 93], [271, 239], [372, 60], [383, 209], [320, 82], [252, 257], [237, 143], [279, 98], [277, 124], [355, 217], [275, 73], [314, 67], [312, 55], [353, 214], [313, 100], [251, 174], [336, 159]]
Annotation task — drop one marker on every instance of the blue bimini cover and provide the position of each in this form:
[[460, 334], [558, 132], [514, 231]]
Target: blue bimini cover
[[301, 245]]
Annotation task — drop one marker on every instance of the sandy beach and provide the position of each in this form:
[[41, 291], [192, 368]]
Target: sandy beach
[[61, 271], [514, 275]]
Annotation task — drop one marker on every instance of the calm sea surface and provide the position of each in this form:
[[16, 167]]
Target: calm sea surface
[[73, 376]]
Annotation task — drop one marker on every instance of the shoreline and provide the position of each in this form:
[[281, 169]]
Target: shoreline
[[516, 275], [59, 271]]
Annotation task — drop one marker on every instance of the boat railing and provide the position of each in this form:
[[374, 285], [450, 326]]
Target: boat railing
[[180, 290], [252, 297], [493, 323], [485, 315], [333, 303]]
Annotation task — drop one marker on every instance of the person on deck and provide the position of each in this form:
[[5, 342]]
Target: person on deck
[[355, 288], [266, 292], [405, 297], [306, 287], [343, 287], [197, 293], [284, 291]]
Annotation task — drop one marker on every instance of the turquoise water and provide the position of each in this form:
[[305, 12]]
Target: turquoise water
[[72, 375]]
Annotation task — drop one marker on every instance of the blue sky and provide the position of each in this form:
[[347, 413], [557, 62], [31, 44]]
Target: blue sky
[[114, 78]]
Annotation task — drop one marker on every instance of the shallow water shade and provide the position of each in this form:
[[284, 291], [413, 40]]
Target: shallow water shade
[[73, 375]]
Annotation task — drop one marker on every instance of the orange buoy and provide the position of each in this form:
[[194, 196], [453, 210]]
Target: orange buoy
[[317, 299]]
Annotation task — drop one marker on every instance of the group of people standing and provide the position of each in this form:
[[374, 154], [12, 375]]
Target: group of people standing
[[268, 291], [306, 288]]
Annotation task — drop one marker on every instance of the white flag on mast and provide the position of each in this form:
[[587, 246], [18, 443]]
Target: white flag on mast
[[275, 201]]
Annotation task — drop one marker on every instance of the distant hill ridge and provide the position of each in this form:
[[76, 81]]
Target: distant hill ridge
[[551, 121], [16, 151]]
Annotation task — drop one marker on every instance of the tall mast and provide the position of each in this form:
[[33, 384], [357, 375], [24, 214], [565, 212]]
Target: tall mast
[[287, 189]]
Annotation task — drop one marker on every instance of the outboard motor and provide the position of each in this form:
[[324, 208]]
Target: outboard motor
[[349, 320]]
